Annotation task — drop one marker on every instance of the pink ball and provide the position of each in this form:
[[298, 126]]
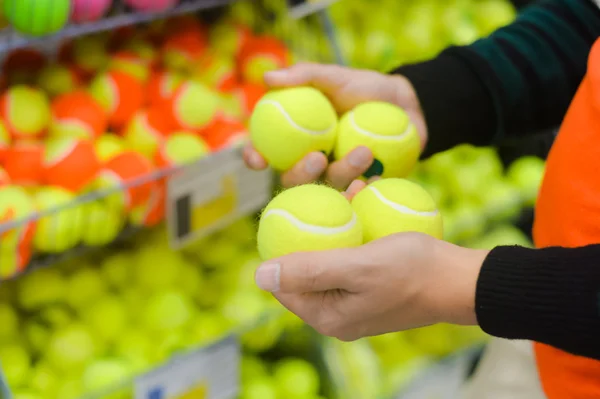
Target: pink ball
[[151, 5], [89, 10]]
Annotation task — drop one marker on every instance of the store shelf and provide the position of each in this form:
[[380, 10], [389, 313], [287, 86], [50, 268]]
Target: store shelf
[[11, 40], [201, 180]]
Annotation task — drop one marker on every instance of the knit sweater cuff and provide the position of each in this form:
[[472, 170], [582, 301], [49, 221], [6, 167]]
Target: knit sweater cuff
[[549, 295]]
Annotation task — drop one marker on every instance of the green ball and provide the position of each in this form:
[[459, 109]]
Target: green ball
[[37, 17]]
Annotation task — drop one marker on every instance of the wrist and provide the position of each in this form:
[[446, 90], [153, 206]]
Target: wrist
[[455, 273]]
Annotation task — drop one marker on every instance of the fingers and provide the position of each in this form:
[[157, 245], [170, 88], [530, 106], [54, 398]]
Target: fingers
[[321, 76], [253, 159], [309, 169], [355, 187], [305, 272], [341, 173]]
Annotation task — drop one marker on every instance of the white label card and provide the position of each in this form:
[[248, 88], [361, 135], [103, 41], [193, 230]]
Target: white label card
[[207, 373], [206, 196]]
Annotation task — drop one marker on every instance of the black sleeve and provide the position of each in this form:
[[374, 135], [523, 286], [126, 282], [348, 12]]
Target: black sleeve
[[520, 80], [549, 295]]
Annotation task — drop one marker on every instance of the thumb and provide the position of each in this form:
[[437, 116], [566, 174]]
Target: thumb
[[321, 76], [304, 272]]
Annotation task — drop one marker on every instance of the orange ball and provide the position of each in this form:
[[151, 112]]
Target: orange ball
[[126, 169], [15, 242], [70, 163], [259, 55], [181, 51], [23, 163], [248, 95], [4, 178], [119, 94], [225, 133], [77, 114], [161, 87]]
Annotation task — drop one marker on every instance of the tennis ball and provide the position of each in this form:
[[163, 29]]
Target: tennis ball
[[40, 288], [57, 79], [62, 229], [142, 47], [296, 378], [151, 5], [84, 287], [103, 224], [161, 87], [9, 323], [184, 110], [389, 206], [77, 115], [387, 131], [260, 55], [166, 311], [89, 10], [225, 133], [5, 140], [23, 163], [126, 170], [181, 148], [25, 111], [227, 37], [120, 94], [147, 130], [90, 53], [216, 71], [287, 124], [37, 18], [70, 348], [107, 318], [16, 364], [307, 218], [109, 145], [15, 244], [70, 163], [131, 64]]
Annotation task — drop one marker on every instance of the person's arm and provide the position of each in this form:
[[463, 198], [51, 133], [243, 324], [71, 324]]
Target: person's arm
[[547, 295], [519, 80]]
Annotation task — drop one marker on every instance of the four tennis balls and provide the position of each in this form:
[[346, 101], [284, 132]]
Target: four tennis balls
[[315, 217], [287, 124]]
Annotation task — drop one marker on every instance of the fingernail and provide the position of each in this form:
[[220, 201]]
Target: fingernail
[[255, 160], [360, 157], [313, 165], [267, 277]]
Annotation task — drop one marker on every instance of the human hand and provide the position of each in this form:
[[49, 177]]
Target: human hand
[[402, 281], [346, 88]]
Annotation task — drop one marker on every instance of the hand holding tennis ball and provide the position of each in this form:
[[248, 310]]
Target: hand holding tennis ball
[[346, 89]]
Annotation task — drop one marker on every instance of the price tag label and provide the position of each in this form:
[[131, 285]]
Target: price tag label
[[303, 8], [208, 373], [207, 196]]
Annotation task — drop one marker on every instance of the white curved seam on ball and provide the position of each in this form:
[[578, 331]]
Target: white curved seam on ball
[[310, 228], [364, 132], [293, 123], [401, 208]]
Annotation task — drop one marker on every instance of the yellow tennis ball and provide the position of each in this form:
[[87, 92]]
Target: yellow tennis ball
[[387, 131], [390, 206], [307, 218], [287, 124]]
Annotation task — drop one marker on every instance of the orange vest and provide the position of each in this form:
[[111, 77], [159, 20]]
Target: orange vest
[[568, 215]]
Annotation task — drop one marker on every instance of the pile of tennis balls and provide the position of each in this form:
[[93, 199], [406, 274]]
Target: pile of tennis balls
[[398, 32], [46, 17], [92, 323], [110, 111]]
